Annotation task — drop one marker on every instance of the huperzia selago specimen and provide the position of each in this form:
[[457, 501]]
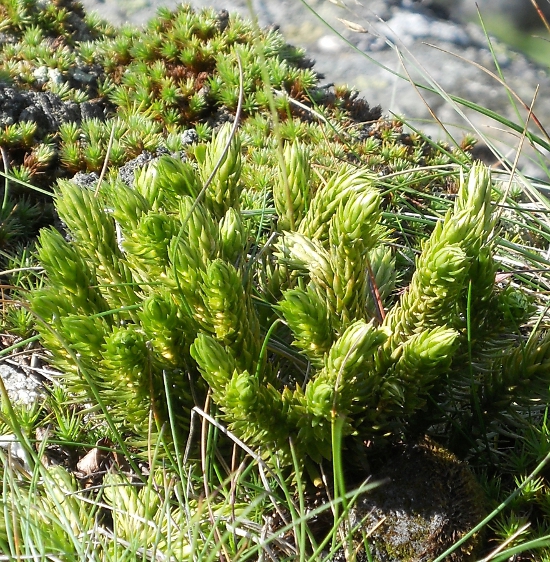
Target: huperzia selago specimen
[[161, 291]]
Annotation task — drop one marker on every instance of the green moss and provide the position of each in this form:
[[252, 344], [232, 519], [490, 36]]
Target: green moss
[[426, 501], [146, 86]]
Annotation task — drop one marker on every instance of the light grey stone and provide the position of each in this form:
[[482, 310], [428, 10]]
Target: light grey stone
[[21, 387]]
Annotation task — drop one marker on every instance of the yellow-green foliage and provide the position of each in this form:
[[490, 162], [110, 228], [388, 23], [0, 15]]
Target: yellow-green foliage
[[168, 287]]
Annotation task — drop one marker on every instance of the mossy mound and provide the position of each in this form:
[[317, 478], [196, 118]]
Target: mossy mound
[[426, 501]]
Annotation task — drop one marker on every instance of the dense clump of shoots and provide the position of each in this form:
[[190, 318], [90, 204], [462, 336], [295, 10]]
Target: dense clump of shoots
[[376, 376], [159, 285]]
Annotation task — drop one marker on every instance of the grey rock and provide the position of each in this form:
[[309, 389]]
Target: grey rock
[[189, 136], [45, 109], [21, 387], [86, 180], [92, 109], [48, 111], [408, 27], [127, 172]]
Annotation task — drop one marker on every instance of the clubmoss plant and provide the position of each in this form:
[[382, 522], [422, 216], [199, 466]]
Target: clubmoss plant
[[161, 282], [163, 290]]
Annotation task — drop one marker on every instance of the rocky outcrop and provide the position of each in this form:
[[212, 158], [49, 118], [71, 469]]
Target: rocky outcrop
[[45, 109]]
